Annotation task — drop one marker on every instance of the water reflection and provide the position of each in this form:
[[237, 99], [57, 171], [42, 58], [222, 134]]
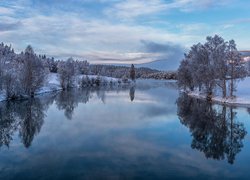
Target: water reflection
[[27, 116], [132, 93], [214, 128], [68, 101]]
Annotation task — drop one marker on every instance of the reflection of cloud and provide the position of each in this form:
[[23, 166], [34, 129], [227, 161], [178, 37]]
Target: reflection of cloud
[[146, 108], [182, 158]]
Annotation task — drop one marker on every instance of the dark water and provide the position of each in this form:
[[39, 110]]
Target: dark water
[[128, 133]]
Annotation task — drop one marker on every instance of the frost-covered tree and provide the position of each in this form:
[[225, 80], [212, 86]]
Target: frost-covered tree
[[185, 76], [236, 69], [82, 67], [216, 47], [10, 69], [67, 72], [6, 56], [210, 65], [85, 81], [33, 72], [49, 63]]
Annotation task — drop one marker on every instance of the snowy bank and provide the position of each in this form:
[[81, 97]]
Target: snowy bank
[[242, 95], [237, 101], [53, 84]]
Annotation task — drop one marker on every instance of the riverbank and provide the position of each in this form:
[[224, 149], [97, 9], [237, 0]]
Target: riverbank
[[237, 101], [242, 96], [53, 84]]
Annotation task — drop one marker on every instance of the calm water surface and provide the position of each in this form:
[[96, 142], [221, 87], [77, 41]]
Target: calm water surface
[[145, 132]]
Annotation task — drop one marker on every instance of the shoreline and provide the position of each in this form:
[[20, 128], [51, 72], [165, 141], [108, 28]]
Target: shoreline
[[237, 101], [53, 86]]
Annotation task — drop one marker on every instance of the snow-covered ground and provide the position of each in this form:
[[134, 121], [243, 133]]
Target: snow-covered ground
[[242, 95], [52, 84]]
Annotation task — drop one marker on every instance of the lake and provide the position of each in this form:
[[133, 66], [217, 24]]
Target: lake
[[150, 131]]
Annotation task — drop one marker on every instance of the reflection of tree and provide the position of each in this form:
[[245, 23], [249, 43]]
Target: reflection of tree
[[132, 93], [215, 131], [236, 133], [248, 110], [101, 94], [8, 124], [32, 117], [69, 100], [26, 116]]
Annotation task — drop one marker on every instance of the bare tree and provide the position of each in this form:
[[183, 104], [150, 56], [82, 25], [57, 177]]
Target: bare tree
[[216, 47], [184, 75], [236, 68], [33, 74], [66, 71]]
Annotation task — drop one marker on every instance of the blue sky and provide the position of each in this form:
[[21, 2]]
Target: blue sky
[[121, 31]]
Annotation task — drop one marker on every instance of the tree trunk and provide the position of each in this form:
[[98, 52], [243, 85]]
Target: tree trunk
[[232, 81], [224, 89], [231, 87]]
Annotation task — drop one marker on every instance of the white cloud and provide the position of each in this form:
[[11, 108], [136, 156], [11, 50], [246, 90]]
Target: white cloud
[[195, 5], [133, 8], [62, 34], [129, 9], [121, 58], [6, 11], [58, 35]]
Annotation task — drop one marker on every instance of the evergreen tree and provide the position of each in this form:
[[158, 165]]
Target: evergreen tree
[[132, 72]]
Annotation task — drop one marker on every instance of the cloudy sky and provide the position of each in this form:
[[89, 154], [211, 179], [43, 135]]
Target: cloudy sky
[[121, 31]]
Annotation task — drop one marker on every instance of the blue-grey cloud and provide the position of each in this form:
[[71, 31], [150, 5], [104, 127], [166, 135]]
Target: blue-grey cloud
[[168, 48], [170, 54], [9, 26]]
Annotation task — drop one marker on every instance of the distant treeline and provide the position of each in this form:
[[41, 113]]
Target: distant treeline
[[121, 71]]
